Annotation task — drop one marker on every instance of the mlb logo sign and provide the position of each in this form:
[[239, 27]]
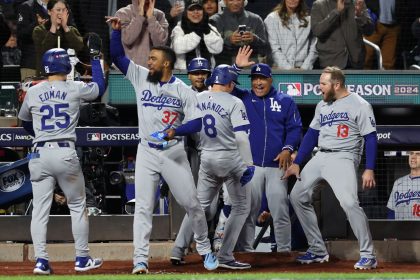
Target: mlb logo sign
[[292, 89], [93, 137]]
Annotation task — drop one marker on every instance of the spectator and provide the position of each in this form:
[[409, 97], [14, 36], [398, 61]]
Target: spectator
[[143, 27], [4, 35], [56, 32], [195, 37], [31, 14], [403, 203], [173, 12], [290, 37], [387, 30], [339, 26], [261, 8], [228, 23], [211, 7]]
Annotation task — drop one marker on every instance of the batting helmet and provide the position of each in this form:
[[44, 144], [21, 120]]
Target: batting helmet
[[56, 61], [222, 75], [198, 64]]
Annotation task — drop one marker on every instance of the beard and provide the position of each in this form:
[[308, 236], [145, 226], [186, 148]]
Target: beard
[[155, 77], [329, 96]]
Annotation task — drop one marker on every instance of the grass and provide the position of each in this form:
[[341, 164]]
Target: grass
[[227, 276]]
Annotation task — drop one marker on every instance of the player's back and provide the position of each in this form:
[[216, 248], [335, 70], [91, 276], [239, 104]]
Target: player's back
[[222, 113], [54, 107]]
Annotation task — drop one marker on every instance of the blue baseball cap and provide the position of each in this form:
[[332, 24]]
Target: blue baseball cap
[[261, 69]]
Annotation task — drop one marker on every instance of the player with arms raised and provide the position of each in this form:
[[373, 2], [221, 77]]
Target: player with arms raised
[[342, 121], [50, 112]]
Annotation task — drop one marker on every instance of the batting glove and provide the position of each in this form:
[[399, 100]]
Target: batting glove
[[94, 44], [247, 176], [161, 135]]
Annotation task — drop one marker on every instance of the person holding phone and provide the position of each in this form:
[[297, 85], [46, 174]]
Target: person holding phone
[[239, 27]]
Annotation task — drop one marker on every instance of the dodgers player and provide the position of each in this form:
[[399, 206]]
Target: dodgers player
[[404, 199], [53, 108], [342, 120], [162, 101], [276, 129], [225, 155]]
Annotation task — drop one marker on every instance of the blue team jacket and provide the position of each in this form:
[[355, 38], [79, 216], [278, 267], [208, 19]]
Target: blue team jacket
[[275, 124]]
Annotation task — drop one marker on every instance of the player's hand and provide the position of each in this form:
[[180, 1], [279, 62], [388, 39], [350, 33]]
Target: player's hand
[[170, 134], [293, 169], [163, 134], [149, 12], [247, 176], [368, 179], [263, 217], [284, 159], [114, 21], [94, 44], [242, 58]]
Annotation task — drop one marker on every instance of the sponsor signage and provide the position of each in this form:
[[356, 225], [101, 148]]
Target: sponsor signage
[[128, 136], [12, 180], [379, 88]]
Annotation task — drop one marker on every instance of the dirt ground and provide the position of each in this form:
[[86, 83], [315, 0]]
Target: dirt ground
[[261, 262]]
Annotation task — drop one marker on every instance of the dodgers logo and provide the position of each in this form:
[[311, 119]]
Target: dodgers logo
[[274, 105], [93, 137], [292, 89], [333, 117], [161, 101], [12, 180], [406, 197], [372, 122]]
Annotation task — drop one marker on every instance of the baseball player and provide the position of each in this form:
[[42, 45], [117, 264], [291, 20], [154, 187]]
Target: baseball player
[[404, 199], [51, 111], [163, 101], [343, 121], [276, 129], [225, 156]]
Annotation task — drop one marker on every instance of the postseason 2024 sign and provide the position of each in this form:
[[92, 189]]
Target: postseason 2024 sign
[[377, 87]]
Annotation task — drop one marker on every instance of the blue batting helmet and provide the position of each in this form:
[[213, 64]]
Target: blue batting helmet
[[198, 64], [222, 75], [56, 61]]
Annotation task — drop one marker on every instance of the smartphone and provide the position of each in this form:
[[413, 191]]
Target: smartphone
[[242, 29]]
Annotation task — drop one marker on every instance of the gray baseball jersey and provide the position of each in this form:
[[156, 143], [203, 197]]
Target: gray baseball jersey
[[404, 198], [54, 108], [341, 126], [221, 161], [158, 106], [342, 123]]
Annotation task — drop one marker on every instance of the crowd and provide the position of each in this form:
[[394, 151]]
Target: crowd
[[289, 34]]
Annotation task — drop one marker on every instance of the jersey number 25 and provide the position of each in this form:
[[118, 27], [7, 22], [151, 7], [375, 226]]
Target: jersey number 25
[[55, 111]]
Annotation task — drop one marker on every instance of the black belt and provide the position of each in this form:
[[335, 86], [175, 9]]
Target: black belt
[[60, 144], [328, 150]]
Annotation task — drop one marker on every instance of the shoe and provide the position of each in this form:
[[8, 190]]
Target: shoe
[[177, 261], [235, 265], [366, 263], [210, 261], [87, 263], [94, 211], [140, 268], [42, 267], [312, 258]]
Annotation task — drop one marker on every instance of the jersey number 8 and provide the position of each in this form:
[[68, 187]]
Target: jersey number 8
[[209, 123], [57, 112]]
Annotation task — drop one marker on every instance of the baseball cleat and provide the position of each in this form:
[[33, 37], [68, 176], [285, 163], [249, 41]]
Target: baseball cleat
[[366, 263], [140, 268], [312, 258], [87, 263], [210, 261], [177, 261], [42, 267], [235, 265]]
